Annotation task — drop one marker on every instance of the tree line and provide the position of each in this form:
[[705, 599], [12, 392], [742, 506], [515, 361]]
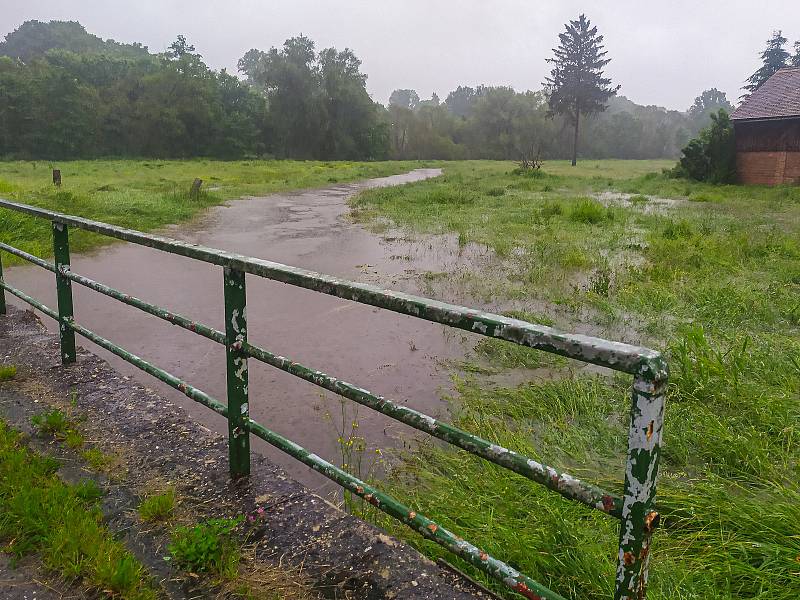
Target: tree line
[[65, 93]]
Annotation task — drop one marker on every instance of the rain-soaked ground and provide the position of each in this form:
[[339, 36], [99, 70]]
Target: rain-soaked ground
[[390, 354]]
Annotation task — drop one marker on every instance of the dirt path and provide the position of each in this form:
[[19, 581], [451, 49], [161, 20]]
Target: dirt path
[[390, 354]]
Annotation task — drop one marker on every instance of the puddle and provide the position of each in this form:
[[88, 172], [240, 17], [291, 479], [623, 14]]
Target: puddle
[[654, 204]]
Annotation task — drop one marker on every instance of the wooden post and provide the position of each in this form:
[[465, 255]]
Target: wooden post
[[57, 177], [194, 191]]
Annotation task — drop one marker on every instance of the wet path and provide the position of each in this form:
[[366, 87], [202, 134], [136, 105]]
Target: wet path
[[389, 354]]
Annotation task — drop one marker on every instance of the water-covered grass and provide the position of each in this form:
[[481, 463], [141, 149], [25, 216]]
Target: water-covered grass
[[147, 194], [708, 274]]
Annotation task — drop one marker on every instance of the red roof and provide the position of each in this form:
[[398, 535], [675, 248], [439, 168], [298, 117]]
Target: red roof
[[777, 98]]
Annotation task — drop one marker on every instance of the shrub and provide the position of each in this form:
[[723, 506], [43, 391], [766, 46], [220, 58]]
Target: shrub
[[712, 155]]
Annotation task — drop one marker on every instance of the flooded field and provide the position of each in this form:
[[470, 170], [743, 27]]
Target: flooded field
[[393, 355]]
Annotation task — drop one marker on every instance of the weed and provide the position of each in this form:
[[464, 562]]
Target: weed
[[73, 439], [600, 281], [158, 507], [7, 372], [208, 547], [97, 459], [52, 423]]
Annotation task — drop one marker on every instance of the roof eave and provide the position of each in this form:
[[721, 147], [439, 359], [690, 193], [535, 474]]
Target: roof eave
[[756, 119]]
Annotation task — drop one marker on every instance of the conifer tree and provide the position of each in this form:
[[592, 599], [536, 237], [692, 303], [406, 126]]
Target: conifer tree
[[576, 85], [773, 57]]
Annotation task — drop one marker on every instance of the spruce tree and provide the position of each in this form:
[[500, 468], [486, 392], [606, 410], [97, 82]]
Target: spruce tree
[[576, 85], [774, 57]]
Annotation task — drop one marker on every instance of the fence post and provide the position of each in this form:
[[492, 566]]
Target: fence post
[[64, 292], [639, 519], [238, 407], [2, 289]]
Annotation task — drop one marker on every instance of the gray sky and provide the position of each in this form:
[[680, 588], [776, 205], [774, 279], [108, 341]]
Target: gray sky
[[662, 52]]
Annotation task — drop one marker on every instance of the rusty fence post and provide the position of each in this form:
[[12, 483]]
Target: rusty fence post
[[2, 289], [639, 518], [235, 337], [63, 292]]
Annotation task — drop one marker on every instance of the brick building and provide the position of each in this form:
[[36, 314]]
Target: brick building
[[767, 126]]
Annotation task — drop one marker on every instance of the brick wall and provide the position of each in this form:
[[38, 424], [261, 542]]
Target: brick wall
[[769, 168]]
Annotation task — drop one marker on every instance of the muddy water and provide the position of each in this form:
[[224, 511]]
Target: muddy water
[[394, 355]]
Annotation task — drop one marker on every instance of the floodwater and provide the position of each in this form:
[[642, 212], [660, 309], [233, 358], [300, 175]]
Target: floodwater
[[397, 356]]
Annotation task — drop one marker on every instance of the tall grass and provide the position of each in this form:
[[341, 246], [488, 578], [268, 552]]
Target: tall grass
[[713, 280]]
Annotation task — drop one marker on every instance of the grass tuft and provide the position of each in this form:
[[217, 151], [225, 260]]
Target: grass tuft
[[7, 372], [158, 507]]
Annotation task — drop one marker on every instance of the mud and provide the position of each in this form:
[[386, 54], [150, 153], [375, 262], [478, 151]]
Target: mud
[[389, 354]]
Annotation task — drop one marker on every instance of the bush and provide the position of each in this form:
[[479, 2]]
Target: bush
[[711, 156]]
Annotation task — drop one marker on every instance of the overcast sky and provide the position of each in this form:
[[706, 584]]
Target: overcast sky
[[663, 52]]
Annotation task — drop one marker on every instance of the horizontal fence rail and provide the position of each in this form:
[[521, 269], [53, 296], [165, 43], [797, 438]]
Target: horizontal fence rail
[[634, 509]]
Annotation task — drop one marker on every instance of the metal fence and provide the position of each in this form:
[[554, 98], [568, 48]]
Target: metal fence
[[634, 509]]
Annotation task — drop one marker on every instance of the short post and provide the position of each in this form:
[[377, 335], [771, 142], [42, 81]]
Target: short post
[[639, 519], [194, 191], [2, 290], [57, 177], [238, 407], [64, 292]]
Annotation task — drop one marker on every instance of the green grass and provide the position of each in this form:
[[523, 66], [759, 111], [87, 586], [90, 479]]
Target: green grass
[[158, 507], [7, 372], [713, 281], [147, 194], [62, 524]]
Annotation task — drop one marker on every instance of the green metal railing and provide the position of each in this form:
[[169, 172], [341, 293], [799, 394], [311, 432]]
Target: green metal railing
[[634, 508]]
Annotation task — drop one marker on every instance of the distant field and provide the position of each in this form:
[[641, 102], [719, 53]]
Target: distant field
[[709, 274], [146, 194]]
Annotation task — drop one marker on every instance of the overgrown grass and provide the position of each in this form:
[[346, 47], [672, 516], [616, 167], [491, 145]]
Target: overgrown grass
[[147, 194], [712, 280], [62, 524]]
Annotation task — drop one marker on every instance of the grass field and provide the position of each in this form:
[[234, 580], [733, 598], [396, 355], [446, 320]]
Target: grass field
[[710, 275], [145, 194]]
